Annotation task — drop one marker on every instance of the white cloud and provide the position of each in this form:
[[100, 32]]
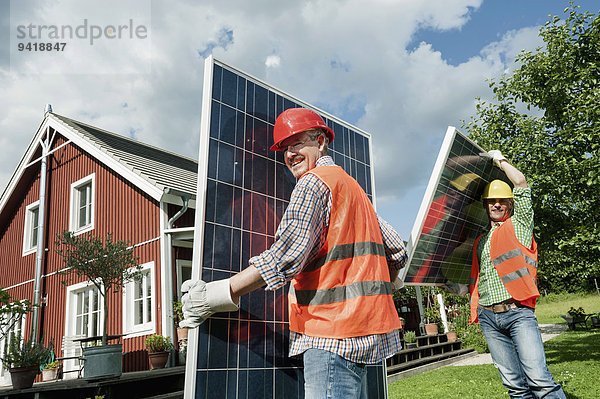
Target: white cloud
[[348, 57], [272, 61]]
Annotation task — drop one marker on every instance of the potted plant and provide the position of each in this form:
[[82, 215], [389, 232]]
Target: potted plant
[[451, 334], [432, 318], [410, 338], [182, 333], [432, 315], [158, 348], [50, 371], [106, 264], [23, 361]]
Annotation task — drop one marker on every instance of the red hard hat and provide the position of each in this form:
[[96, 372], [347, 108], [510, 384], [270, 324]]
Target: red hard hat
[[296, 120]]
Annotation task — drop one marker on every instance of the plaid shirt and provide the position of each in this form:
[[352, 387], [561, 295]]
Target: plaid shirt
[[298, 239], [491, 289]]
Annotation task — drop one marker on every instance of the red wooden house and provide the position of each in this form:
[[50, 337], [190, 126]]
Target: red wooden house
[[80, 178]]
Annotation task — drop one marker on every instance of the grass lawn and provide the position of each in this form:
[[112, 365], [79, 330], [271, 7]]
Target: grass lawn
[[549, 308], [573, 359]]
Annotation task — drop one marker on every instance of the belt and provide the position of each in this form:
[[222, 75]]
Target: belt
[[503, 307]]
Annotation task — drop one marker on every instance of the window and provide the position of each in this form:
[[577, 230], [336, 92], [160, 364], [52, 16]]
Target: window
[[85, 310], [138, 303], [11, 326], [184, 272], [30, 234], [82, 205], [84, 318]]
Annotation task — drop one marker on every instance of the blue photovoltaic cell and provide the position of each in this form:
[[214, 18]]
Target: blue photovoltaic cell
[[245, 354], [442, 248]]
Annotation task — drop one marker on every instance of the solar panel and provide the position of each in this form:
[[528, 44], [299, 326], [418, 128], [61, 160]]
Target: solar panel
[[451, 216], [245, 189]]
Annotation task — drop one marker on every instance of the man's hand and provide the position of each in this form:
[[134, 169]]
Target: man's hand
[[497, 156], [397, 284], [201, 300], [456, 288]]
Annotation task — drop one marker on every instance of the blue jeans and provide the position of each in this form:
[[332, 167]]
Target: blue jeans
[[330, 376], [517, 350]]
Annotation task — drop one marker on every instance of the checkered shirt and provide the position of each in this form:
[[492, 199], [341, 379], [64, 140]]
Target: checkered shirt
[[298, 239], [491, 289]]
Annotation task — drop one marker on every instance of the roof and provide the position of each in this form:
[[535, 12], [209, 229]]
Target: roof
[[159, 167], [153, 170]]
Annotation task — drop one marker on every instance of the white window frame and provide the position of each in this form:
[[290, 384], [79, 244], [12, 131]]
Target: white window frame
[[29, 246], [148, 327], [179, 265], [74, 204], [19, 326], [71, 307]]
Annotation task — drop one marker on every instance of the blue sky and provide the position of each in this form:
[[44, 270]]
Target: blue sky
[[402, 70]]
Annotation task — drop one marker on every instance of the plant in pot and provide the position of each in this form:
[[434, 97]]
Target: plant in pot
[[106, 264], [23, 361], [182, 333], [158, 348], [451, 334], [410, 338], [432, 314], [50, 371]]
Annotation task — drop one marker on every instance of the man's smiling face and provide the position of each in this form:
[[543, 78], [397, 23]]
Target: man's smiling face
[[302, 150]]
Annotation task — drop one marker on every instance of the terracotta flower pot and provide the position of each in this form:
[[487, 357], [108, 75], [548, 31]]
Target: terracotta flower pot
[[431, 329], [451, 335], [49, 374], [22, 377], [182, 333], [158, 360]]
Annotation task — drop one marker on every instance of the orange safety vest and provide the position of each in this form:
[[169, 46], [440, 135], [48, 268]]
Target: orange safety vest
[[515, 263], [346, 291]]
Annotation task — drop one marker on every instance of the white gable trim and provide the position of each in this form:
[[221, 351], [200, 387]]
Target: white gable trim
[[71, 134]]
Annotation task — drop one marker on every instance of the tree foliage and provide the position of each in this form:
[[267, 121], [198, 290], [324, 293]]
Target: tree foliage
[[105, 263], [11, 312], [546, 118]]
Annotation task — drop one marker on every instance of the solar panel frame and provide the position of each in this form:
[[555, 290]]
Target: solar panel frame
[[452, 261], [346, 151]]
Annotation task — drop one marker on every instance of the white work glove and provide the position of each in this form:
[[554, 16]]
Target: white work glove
[[456, 288], [201, 300], [497, 156], [397, 284]]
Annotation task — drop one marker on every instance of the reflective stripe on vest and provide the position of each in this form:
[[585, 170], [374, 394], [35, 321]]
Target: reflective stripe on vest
[[513, 254], [340, 294], [347, 251]]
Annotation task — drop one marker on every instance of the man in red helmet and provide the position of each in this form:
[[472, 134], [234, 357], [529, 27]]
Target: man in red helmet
[[503, 287], [340, 258]]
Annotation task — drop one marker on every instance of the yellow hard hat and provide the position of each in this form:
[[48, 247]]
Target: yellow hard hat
[[462, 182], [497, 189]]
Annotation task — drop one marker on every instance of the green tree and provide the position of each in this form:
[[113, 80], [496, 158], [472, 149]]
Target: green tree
[[11, 312], [545, 117], [105, 263]]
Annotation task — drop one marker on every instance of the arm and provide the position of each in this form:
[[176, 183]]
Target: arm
[[244, 282], [297, 241], [515, 175], [395, 252]]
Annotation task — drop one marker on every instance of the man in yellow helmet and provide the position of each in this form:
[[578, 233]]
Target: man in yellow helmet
[[503, 287]]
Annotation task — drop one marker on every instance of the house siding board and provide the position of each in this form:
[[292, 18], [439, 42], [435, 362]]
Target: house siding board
[[121, 208]]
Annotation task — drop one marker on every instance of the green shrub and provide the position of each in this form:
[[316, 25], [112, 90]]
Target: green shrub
[[410, 337], [51, 365], [27, 354], [473, 337], [158, 343]]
